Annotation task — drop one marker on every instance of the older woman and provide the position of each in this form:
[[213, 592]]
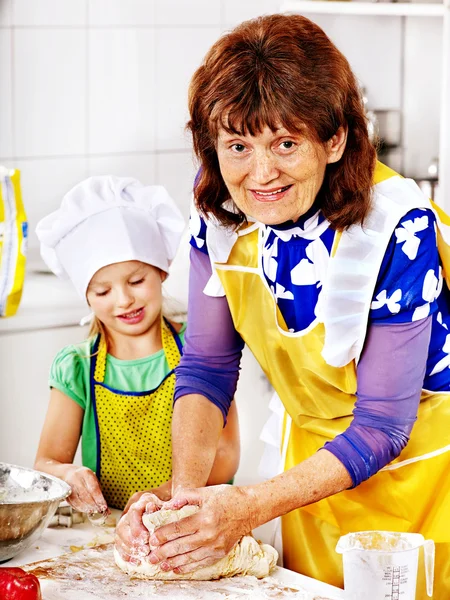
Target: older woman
[[325, 263]]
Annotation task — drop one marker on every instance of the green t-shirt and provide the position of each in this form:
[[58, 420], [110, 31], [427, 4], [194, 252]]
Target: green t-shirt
[[70, 374]]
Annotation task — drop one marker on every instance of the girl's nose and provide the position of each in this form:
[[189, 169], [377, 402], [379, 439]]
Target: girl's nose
[[124, 298]]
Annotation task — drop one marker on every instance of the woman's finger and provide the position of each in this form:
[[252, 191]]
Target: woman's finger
[[181, 545], [173, 531], [133, 499], [183, 560], [137, 529], [193, 566]]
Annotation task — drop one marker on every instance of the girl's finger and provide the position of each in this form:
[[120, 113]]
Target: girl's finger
[[93, 487]]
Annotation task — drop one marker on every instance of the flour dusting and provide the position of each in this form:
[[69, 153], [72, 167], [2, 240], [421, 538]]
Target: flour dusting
[[93, 575]]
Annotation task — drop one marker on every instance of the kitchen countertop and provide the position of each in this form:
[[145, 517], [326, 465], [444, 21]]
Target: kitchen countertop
[[60, 540]]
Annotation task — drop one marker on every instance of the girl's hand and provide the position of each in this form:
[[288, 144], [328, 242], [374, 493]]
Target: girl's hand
[[86, 494], [226, 514], [132, 538]]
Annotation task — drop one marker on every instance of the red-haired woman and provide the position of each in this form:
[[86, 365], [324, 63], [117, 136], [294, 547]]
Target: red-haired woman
[[325, 263]]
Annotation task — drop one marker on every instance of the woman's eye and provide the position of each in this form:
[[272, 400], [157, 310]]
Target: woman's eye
[[287, 145], [239, 148], [101, 293], [137, 282]]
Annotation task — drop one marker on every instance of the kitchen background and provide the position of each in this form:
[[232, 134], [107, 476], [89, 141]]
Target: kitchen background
[[91, 87]]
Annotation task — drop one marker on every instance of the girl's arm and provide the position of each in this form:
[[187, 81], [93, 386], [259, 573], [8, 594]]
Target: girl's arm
[[58, 444]]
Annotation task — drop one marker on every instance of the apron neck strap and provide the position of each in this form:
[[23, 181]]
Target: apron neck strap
[[170, 341]]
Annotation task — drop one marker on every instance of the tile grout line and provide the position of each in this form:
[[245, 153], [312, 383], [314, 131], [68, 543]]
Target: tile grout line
[[13, 86], [87, 91], [98, 155]]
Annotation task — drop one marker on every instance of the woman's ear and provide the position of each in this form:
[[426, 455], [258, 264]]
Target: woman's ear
[[336, 145], [163, 275]]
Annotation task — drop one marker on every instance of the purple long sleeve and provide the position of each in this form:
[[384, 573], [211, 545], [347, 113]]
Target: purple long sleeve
[[213, 348], [390, 377]]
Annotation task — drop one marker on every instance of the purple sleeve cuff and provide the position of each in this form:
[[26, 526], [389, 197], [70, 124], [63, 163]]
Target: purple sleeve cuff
[[213, 348], [390, 378]]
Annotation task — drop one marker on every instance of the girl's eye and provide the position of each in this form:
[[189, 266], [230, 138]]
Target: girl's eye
[[137, 282], [239, 148], [101, 293]]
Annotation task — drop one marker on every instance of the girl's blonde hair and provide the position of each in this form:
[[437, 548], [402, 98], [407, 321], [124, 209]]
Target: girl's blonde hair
[[96, 328]]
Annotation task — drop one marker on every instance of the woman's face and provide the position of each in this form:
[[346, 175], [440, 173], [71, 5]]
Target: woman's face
[[127, 296], [275, 177]]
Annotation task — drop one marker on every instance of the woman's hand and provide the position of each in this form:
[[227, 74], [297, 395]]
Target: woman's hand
[[86, 494], [225, 515], [163, 492], [132, 538]]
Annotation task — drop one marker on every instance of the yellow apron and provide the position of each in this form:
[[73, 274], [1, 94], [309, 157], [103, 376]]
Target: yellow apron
[[134, 444], [410, 494]]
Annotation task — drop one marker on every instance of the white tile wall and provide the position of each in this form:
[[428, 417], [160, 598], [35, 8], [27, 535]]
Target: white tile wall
[[236, 11], [33, 13], [44, 183], [121, 12], [49, 92], [5, 13], [176, 171], [422, 101], [122, 90], [6, 136], [374, 57], [194, 12], [178, 53], [140, 166]]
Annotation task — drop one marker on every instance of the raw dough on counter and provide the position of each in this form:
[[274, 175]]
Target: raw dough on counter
[[248, 557]]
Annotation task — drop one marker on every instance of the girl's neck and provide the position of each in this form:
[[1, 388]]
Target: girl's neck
[[132, 347]]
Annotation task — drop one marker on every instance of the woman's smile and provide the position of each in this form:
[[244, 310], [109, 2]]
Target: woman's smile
[[271, 195]]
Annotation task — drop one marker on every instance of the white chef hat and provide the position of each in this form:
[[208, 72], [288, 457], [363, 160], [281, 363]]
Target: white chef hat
[[105, 220]]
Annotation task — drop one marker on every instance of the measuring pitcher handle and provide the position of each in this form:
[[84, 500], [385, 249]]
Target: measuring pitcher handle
[[428, 557]]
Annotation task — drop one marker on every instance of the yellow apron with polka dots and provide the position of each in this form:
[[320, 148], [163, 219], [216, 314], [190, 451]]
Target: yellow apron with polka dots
[[410, 494], [133, 429]]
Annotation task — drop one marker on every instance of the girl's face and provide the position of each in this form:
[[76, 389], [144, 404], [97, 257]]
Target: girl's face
[[127, 296], [275, 177]]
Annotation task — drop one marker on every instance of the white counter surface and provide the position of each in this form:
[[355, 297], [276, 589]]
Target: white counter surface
[[60, 540]]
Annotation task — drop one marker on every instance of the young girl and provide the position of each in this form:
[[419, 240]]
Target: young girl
[[114, 239]]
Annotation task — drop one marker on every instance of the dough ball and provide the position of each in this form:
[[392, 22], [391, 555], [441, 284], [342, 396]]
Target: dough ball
[[247, 557]]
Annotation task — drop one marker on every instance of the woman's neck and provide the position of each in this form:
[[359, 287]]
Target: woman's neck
[[131, 347]]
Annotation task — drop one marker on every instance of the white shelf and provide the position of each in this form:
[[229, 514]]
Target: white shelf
[[389, 9]]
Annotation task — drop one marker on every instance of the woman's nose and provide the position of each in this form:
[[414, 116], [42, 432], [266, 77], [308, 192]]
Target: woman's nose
[[264, 168]]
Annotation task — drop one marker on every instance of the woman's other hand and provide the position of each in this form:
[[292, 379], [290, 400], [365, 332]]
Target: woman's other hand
[[163, 492], [132, 538], [225, 515]]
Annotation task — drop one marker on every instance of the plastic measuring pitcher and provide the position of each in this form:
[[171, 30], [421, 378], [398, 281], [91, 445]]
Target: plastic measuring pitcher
[[382, 565]]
